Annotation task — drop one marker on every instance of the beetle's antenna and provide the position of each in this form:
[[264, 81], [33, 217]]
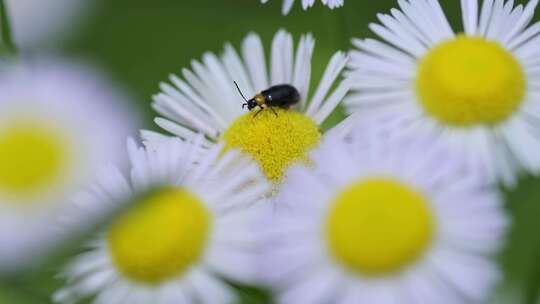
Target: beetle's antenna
[[239, 91]]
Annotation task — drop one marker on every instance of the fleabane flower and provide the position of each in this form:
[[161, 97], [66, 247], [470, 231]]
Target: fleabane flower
[[59, 123], [287, 4], [382, 222], [43, 23], [206, 100], [476, 89], [188, 228]]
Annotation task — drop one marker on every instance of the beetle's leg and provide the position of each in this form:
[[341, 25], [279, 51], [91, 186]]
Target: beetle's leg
[[273, 111], [258, 112]]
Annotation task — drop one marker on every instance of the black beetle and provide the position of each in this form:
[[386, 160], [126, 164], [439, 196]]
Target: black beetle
[[281, 96]]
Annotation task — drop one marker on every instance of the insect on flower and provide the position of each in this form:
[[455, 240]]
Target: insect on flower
[[281, 96]]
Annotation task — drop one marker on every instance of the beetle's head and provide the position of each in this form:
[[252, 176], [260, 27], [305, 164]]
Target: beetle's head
[[250, 104]]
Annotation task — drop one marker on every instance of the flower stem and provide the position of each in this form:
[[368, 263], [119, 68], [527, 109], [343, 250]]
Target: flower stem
[[7, 40]]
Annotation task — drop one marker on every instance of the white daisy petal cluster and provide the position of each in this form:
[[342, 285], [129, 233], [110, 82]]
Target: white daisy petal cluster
[[190, 228], [206, 100], [59, 123], [383, 222], [287, 4], [477, 90]]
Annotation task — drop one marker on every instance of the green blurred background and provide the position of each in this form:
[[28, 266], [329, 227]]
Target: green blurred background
[[140, 42]]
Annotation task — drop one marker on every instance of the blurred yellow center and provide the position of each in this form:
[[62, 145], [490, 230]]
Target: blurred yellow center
[[378, 226], [470, 81], [275, 142], [32, 158], [161, 237]]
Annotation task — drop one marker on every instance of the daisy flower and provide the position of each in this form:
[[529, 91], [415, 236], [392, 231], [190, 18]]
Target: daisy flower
[[206, 100], [382, 222], [189, 226], [287, 4], [477, 89], [38, 23], [59, 123]]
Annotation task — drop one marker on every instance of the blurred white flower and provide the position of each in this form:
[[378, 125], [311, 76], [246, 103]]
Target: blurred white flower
[[58, 124], [382, 222], [38, 23], [207, 101], [287, 4], [189, 228], [477, 90]]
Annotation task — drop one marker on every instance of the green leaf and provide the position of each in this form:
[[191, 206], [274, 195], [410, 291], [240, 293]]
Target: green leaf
[[252, 295], [520, 261], [11, 293], [8, 46]]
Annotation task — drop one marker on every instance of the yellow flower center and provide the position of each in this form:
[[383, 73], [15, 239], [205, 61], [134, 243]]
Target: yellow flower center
[[33, 156], [470, 81], [378, 226], [274, 141], [161, 237]]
